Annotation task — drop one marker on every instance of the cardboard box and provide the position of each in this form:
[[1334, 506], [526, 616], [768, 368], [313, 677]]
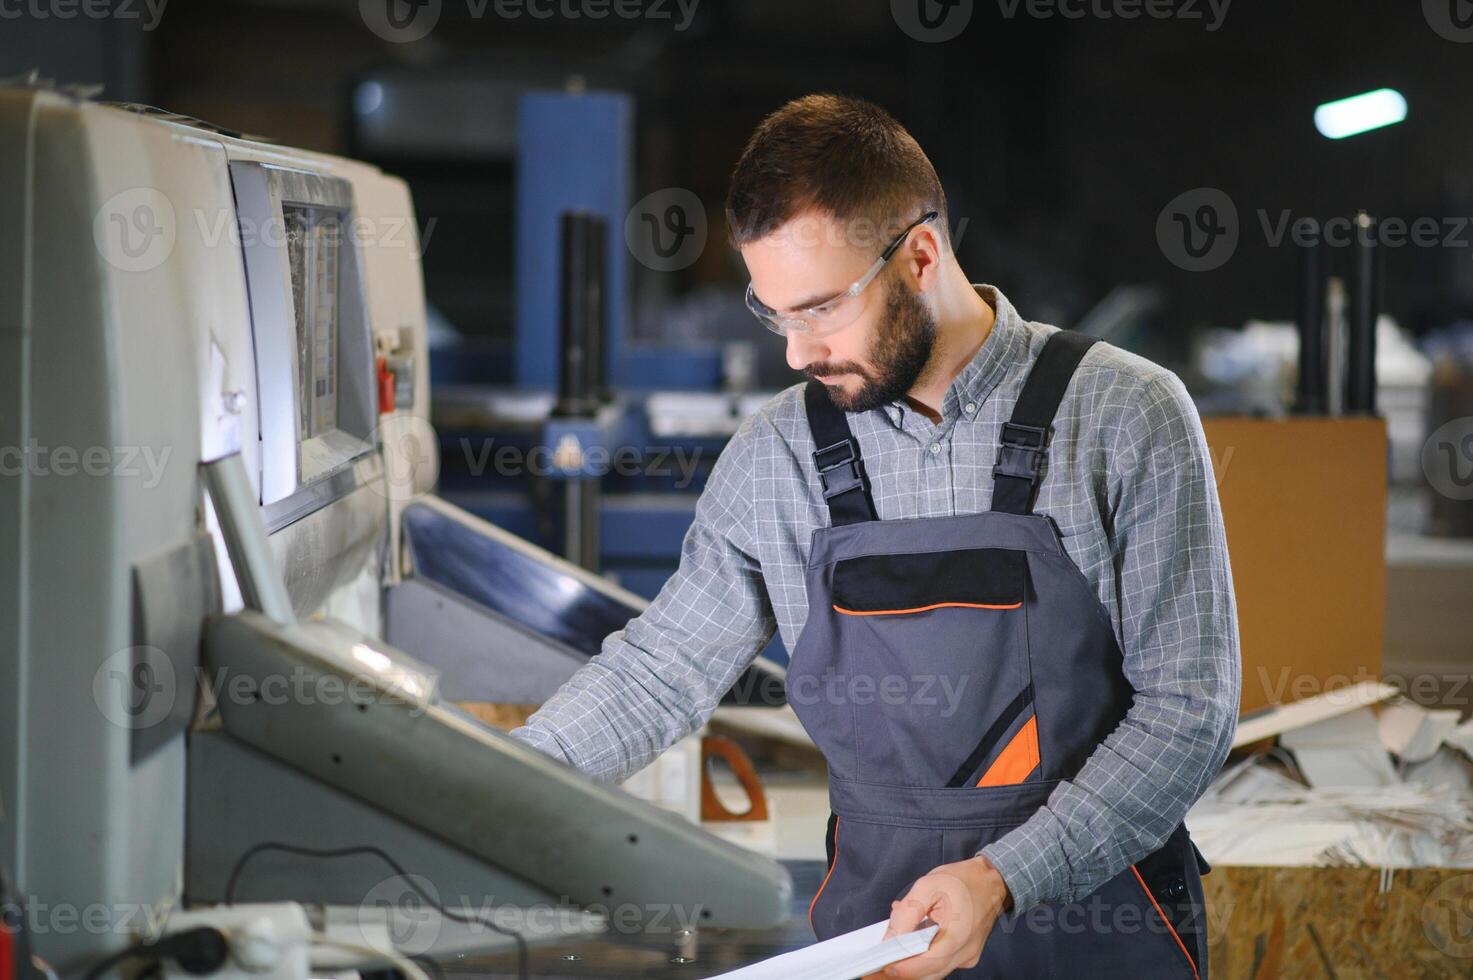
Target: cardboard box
[[1304, 504]]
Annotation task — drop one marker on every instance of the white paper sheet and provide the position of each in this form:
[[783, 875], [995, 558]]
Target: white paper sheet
[[842, 958], [1342, 751], [1461, 738], [1283, 718], [1414, 733]]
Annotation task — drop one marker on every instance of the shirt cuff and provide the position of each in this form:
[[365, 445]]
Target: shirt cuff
[[1032, 865], [542, 741]]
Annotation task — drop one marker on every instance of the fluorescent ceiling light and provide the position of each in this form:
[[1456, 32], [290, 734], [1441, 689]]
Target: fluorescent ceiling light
[[1360, 113]]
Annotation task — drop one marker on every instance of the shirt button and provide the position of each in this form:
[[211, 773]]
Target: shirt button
[[935, 448], [971, 407]]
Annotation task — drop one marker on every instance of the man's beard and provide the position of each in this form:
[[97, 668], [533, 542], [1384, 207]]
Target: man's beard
[[902, 348]]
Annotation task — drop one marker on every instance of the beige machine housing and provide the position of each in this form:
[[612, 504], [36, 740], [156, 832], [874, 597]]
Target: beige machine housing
[[170, 309]]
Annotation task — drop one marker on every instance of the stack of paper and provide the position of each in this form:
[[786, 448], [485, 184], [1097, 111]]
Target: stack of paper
[[845, 957]]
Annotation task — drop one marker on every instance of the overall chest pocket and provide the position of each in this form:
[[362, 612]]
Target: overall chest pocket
[[900, 585], [933, 654]]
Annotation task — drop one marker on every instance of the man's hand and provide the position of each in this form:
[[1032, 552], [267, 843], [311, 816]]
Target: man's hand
[[964, 899]]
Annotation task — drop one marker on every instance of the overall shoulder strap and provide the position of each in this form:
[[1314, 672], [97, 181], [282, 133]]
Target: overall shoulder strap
[[1025, 436], [840, 469]]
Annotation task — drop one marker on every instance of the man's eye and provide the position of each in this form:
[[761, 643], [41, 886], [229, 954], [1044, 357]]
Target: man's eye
[[824, 310]]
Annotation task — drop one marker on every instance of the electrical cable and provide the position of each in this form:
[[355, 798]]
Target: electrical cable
[[434, 969], [313, 852], [108, 962], [198, 951]]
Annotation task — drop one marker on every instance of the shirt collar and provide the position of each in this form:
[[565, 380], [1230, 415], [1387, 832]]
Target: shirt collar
[[986, 368]]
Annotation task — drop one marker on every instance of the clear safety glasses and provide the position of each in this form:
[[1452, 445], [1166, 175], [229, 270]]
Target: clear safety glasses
[[836, 312]]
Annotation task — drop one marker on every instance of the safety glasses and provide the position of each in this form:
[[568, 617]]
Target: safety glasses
[[836, 312]]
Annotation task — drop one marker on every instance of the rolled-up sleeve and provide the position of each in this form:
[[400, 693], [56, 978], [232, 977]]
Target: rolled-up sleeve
[[661, 676], [1177, 625]]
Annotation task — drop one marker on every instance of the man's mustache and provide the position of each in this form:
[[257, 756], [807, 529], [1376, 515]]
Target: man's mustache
[[823, 371]]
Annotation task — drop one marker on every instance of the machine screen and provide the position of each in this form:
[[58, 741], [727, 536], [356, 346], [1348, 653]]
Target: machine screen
[[313, 241]]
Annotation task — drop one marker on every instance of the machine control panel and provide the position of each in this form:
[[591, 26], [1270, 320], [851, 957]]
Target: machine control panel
[[315, 366]]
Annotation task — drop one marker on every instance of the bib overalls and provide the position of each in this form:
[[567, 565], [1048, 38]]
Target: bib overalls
[[989, 606]]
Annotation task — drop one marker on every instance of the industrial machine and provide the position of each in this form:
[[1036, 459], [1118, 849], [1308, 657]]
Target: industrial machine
[[215, 516]]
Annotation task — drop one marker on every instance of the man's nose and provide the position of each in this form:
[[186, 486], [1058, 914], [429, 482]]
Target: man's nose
[[804, 350]]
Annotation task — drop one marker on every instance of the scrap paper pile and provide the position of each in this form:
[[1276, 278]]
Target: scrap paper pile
[[1388, 787]]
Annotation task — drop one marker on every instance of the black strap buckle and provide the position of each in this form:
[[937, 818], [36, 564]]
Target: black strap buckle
[[838, 469], [1021, 454], [1024, 436]]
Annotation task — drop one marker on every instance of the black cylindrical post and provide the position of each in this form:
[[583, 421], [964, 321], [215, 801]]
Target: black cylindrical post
[[1365, 308], [581, 320], [1309, 317], [580, 374], [594, 296]]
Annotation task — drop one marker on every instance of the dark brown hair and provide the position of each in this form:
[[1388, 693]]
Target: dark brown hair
[[845, 157]]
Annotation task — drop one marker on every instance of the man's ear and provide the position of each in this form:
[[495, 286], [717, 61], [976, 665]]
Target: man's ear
[[921, 256]]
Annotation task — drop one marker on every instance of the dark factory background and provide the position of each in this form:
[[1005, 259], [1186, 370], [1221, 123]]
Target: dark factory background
[[1071, 139], [1058, 140]]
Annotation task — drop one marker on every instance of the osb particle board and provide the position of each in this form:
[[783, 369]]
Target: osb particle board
[[1304, 506], [1266, 923]]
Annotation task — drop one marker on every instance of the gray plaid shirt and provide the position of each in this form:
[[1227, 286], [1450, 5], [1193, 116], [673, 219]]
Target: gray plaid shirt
[[1129, 483]]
